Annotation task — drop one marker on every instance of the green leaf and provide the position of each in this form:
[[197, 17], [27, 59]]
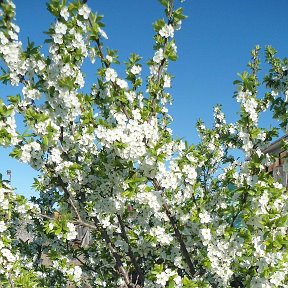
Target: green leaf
[[178, 14], [165, 3], [5, 78], [159, 24], [15, 100], [16, 153]]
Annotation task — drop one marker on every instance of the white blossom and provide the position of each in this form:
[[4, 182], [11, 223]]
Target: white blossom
[[84, 11], [3, 227], [167, 31], [206, 235], [64, 13], [122, 83], [110, 75], [136, 69], [204, 217], [102, 33], [72, 233], [60, 28], [159, 56], [167, 81], [109, 58]]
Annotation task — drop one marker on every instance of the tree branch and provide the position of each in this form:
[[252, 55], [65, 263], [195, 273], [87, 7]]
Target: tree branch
[[115, 254], [177, 232], [130, 251]]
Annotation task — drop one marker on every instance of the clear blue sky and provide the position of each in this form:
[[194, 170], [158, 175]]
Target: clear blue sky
[[213, 45]]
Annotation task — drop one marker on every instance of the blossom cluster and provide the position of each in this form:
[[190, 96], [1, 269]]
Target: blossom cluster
[[122, 202]]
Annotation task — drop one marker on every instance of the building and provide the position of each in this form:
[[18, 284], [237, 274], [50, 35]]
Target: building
[[276, 169]]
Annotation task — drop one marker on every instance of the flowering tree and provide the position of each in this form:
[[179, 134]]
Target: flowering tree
[[160, 212]]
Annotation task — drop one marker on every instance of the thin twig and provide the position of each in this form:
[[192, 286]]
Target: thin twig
[[72, 202], [80, 222], [75, 208], [10, 281]]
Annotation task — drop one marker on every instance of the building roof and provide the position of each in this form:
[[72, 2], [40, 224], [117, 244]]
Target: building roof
[[275, 147]]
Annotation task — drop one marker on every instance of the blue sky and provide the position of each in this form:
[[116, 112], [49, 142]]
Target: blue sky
[[214, 44]]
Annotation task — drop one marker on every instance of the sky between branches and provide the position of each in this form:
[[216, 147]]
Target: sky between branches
[[213, 45]]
